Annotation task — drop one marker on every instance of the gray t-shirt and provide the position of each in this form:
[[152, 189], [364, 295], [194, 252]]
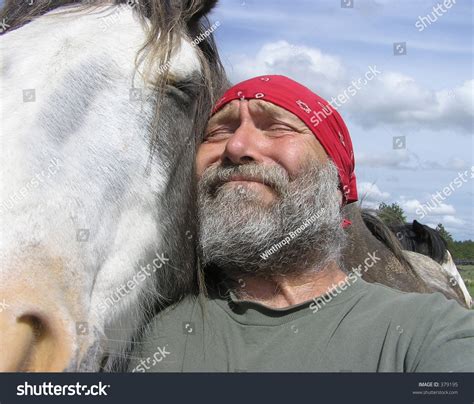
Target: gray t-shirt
[[364, 328]]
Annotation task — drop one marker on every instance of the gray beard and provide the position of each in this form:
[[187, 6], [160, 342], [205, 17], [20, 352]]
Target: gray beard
[[300, 231]]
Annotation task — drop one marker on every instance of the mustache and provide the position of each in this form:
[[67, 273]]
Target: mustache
[[273, 176]]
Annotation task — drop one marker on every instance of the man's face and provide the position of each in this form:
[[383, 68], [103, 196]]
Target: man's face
[[257, 132], [262, 176]]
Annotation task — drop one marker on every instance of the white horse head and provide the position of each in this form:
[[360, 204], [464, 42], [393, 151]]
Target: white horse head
[[101, 107]]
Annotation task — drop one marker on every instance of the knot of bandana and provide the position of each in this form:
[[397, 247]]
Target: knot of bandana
[[320, 117]]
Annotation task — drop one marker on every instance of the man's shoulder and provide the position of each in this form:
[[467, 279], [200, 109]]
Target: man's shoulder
[[378, 291], [173, 318], [183, 308], [384, 299], [433, 332], [159, 346], [171, 324]]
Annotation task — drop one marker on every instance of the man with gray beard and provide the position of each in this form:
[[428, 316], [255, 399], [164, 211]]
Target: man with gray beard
[[237, 227], [274, 170]]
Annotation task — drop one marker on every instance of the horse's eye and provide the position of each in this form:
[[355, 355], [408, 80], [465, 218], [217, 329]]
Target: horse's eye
[[188, 87]]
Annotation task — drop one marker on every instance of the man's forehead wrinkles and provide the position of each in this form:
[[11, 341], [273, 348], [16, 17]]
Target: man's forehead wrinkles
[[257, 108], [272, 110], [230, 111]]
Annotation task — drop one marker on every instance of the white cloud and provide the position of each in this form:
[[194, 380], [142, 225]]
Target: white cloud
[[398, 99], [441, 213], [390, 98], [371, 192], [410, 206], [395, 159], [405, 160], [457, 164], [450, 220], [451, 223], [371, 196], [430, 208], [326, 72]]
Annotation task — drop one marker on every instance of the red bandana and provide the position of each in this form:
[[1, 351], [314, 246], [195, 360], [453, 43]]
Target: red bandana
[[320, 117]]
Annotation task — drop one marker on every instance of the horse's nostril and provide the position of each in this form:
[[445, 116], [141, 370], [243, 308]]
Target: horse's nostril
[[33, 343], [37, 325], [37, 322]]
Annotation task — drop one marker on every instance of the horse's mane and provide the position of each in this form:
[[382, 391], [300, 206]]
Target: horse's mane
[[167, 21], [409, 233], [384, 234], [406, 236]]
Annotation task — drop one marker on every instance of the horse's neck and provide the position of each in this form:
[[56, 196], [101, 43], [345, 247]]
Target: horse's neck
[[365, 249], [360, 235], [361, 240]]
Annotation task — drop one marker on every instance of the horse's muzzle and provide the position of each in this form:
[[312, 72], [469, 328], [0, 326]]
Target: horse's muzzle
[[37, 311]]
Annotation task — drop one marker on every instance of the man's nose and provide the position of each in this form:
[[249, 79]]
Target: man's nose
[[246, 142]]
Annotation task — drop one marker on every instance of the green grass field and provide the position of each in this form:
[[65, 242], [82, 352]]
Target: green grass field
[[467, 274]]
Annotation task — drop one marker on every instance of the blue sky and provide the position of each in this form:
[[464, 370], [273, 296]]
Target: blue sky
[[425, 96]]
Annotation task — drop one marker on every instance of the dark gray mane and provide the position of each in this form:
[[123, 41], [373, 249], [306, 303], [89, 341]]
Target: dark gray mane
[[422, 239], [384, 234], [414, 237]]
